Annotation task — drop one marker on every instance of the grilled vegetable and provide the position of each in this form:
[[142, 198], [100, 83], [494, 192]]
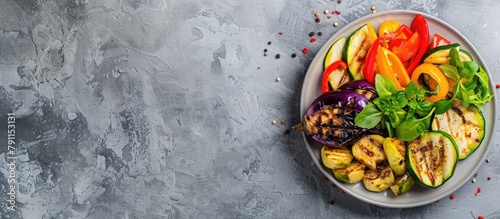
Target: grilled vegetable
[[361, 87], [355, 51], [465, 125], [379, 179], [432, 158], [395, 150], [329, 120], [353, 173], [369, 150], [402, 184], [336, 157], [334, 52]]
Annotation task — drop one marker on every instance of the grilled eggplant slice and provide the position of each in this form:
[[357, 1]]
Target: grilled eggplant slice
[[379, 179], [336, 157], [402, 184], [432, 158], [465, 125], [353, 173], [369, 150], [395, 150]]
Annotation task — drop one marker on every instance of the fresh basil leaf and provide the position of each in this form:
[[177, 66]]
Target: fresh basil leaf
[[384, 86], [411, 90], [450, 71], [465, 97], [471, 68], [455, 59], [411, 128], [396, 117], [383, 104], [399, 99], [424, 108], [369, 117], [442, 106]]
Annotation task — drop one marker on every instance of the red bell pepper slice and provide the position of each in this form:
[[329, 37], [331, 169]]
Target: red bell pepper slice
[[369, 66], [395, 43], [438, 40], [331, 68], [408, 49], [419, 25]]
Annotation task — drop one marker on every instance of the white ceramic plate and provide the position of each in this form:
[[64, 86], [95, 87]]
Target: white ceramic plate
[[419, 195]]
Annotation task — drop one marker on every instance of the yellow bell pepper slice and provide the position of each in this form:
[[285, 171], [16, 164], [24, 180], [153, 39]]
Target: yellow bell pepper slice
[[435, 74], [372, 35], [391, 67]]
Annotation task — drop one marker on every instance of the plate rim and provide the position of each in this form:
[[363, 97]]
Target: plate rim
[[318, 57]]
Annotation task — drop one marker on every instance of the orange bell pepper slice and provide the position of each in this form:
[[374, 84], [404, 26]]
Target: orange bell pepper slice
[[391, 67], [439, 79]]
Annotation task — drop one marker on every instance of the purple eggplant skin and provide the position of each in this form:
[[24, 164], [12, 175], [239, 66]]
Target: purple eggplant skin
[[361, 87], [358, 84], [338, 99], [348, 105]]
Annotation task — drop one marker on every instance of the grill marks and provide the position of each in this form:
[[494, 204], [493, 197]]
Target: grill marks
[[432, 158], [334, 124], [465, 125]]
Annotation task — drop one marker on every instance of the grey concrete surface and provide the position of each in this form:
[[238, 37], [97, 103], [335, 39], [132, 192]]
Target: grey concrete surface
[[163, 109]]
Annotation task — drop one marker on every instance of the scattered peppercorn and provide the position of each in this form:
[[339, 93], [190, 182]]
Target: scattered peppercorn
[[317, 20], [258, 67], [487, 160], [311, 34], [312, 40], [265, 50], [320, 33], [341, 191], [452, 196], [437, 201], [332, 202], [316, 14], [337, 12], [269, 43], [497, 86], [287, 131], [325, 179], [336, 24], [294, 55], [274, 122], [339, 1], [478, 190], [480, 217], [265, 53], [475, 175], [305, 50], [473, 180], [282, 121], [278, 79], [489, 178], [278, 56], [374, 11], [280, 33], [329, 16], [326, 11], [374, 8]]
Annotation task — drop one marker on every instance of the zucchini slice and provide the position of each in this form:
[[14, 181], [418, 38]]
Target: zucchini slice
[[402, 184], [432, 158], [353, 173], [338, 78], [334, 52], [464, 55], [379, 179], [440, 54], [336, 157], [395, 150], [355, 51], [465, 125], [369, 150]]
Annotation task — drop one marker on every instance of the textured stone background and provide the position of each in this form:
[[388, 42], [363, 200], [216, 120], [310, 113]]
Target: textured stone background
[[163, 108]]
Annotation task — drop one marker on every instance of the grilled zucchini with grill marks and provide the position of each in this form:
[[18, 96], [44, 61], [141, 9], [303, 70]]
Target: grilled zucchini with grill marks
[[379, 179], [432, 158], [465, 125], [369, 150], [395, 150], [402, 184], [336, 157], [351, 174]]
